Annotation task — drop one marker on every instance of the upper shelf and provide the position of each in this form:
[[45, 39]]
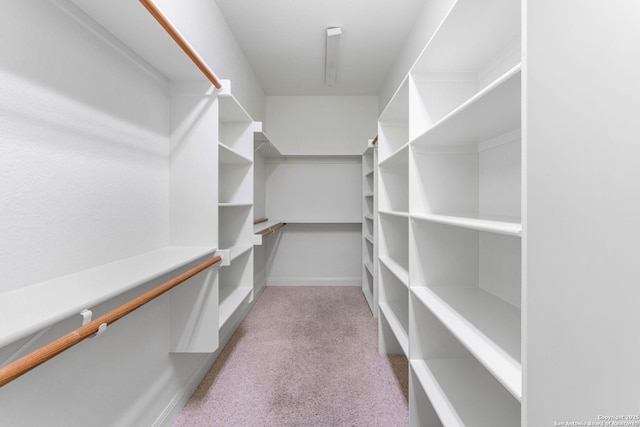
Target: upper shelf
[[481, 33], [264, 226], [493, 111], [26, 310], [261, 143], [138, 30], [510, 226], [230, 109], [230, 156]]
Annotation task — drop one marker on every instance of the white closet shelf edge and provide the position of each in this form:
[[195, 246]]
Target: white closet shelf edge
[[510, 226], [464, 383], [231, 303], [26, 310], [398, 270], [396, 326], [486, 344]]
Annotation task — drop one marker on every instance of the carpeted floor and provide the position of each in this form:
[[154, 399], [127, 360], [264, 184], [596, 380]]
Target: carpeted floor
[[304, 356]]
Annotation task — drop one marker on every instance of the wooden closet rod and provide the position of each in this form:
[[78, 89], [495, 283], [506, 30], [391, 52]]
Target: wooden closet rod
[[186, 47], [28, 362], [375, 140], [274, 229], [258, 221]]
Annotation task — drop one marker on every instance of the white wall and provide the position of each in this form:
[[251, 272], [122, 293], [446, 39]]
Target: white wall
[[583, 205], [85, 179], [321, 125], [426, 23], [204, 26], [325, 189], [83, 149], [315, 254], [320, 199]]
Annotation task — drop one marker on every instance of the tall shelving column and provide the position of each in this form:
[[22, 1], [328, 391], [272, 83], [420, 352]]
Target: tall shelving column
[[465, 207], [369, 213], [393, 225], [235, 144]]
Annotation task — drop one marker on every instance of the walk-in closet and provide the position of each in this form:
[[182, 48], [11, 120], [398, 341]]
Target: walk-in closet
[[319, 213]]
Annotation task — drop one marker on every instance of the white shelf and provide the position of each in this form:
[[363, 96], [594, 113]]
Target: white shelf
[[368, 195], [510, 226], [451, 161], [396, 326], [398, 270], [394, 158], [237, 250], [230, 110], [263, 147], [323, 221], [26, 310], [464, 394], [369, 267], [230, 303], [471, 36], [394, 213], [369, 238], [264, 226], [229, 156], [493, 111], [235, 205], [369, 173], [487, 326]]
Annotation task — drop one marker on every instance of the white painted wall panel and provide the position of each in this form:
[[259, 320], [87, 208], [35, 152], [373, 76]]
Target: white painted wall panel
[[314, 189], [83, 149], [315, 254], [583, 204], [321, 125]]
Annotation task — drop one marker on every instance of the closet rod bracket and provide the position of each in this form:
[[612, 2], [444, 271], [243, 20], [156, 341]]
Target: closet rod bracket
[[225, 255]]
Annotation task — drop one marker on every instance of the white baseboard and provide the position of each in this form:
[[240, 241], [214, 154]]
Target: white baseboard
[[314, 281], [175, 405], [168, 416]]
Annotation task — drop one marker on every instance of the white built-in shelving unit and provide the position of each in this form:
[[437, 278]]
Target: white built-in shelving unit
[[449, 220], [235, 142], [369, 210], [211, 150], [192, 237]]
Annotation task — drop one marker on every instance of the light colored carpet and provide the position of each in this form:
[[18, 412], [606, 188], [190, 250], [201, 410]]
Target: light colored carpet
[[303, 356]]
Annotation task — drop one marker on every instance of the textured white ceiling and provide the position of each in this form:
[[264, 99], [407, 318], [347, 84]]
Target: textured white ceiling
[[284, 41]]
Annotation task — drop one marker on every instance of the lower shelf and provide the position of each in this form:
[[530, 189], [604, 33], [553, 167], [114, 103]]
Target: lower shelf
[[26, 310], [369, 297], [396, 268], [237, 250], [463, 393], [230, 303], [396, 326], [487, 326]]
